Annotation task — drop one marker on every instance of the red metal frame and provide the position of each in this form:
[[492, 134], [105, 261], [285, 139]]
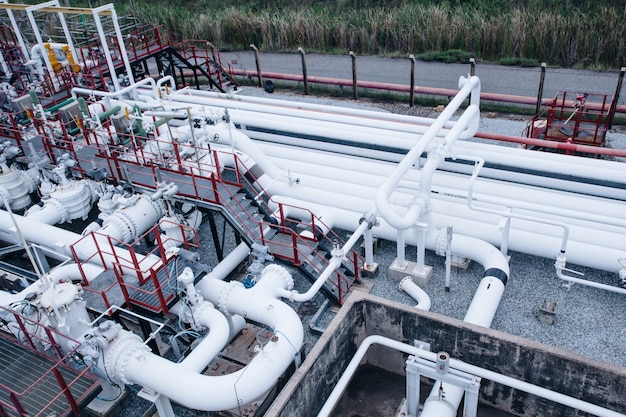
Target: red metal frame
[[145, 267], [580, 119], [51, 338]]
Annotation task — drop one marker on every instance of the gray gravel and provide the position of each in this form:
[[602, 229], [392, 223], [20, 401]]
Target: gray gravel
[[589, 321]]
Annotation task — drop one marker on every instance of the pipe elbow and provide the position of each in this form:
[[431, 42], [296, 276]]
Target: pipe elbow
[[390, 216]]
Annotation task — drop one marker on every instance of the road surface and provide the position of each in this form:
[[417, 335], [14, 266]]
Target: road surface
[[494, 78]]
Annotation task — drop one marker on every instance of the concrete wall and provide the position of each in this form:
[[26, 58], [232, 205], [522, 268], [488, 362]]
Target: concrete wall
[[364, 315]]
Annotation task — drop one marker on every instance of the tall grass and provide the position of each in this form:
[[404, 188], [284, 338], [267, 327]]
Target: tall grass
[[567, 35]]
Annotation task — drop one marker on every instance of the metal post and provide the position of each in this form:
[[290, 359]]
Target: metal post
[[164, 406], [17, 32], [120, 40], [540, 91], [400, 250], [472, 72], [354, 82], [412, 92], [304, 74], [412, 389], [105, 49], [618, 90], [258, 64], [37, 33]]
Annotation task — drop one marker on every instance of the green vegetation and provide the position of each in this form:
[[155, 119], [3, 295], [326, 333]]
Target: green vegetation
[[449, 56], [566, 33]]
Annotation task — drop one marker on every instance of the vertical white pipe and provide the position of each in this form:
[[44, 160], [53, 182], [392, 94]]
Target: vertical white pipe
[[17, 32], [66, 32], [33, 23], [105, 46], [481, 311], [120, 41]]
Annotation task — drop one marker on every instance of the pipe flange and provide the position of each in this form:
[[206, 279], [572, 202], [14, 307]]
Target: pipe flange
[[131, 226], [59, 207], [30, 182], [442, 242], [225, 295], [405, 279], [125, 347], [119, 222], [198, 311], [281, 272]]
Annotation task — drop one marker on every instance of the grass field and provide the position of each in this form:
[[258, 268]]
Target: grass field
[[574, 33]]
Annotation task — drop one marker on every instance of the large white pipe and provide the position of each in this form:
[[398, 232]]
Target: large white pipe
[[525, 160], [205, 315], [303, 110], [213, 393], [544, 241], [130, 89], [541, 392], [60, 241]]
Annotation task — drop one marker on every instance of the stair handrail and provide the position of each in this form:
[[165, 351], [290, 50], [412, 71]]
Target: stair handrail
[[60, 361]]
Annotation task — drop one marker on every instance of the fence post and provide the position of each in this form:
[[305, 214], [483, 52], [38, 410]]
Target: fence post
[[412, 92], [540, 91], [304, 74], [618, 90], [472, 62], [354, 83], [258, 64]]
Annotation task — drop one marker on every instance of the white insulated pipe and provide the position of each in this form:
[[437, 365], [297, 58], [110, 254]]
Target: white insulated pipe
[[206, 315], [333, 264], [303, 110], [410, 287], [67, 272], [58, 240], [541, 392], [213, 393], [470, 123], [116, 94]]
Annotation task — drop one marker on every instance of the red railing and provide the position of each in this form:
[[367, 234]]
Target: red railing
[[572, 118], [148, 267], [201, 184], [33, 336]]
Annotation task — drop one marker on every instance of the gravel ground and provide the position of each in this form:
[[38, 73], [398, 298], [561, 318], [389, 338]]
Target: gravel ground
[[588, 321]]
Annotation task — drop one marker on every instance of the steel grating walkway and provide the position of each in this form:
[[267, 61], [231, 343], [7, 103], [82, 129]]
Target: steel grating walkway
[[29, 375]]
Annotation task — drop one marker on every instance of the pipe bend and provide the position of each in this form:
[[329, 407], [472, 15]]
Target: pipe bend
[[410, 287], [219, 333], [213, 393]]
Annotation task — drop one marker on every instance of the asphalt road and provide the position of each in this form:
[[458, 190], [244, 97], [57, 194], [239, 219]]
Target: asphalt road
[[494, 78]]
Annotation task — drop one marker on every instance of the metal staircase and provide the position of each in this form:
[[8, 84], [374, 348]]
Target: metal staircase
[[191, 59], [251, 215]]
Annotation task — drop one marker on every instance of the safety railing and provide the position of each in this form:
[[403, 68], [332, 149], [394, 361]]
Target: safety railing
[[47, 383], [580, 119], [135, 261]]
